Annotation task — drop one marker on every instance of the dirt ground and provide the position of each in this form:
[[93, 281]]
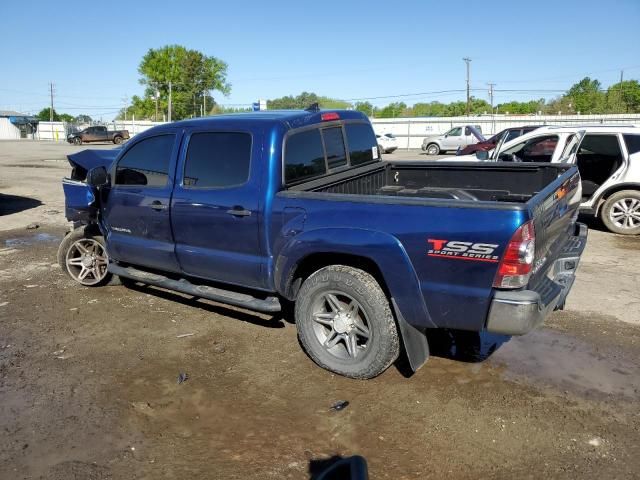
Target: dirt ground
[[88, 376]]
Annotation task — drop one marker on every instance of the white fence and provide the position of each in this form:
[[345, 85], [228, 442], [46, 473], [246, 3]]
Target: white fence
[[411, 131], [51, 131]]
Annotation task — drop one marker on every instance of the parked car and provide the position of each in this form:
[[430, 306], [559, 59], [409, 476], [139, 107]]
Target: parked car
[[387, 143], [506, 135], [98, 134], [262, 209], [457, 137], [608, 158]]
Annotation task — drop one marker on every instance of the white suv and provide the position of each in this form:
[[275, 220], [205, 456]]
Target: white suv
[[608, 158], [387, 143]]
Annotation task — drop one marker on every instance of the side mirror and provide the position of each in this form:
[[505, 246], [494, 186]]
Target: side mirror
[[482, 155], [350, 468], [97, 177]]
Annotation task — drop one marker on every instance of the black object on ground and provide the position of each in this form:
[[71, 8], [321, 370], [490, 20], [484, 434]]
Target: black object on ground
[[182, 377], [339, 405]]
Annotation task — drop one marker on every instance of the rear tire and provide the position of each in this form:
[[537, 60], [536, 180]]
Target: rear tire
[[433, 149], [83, 256], [621, 212], [117, 140], [345, 323]]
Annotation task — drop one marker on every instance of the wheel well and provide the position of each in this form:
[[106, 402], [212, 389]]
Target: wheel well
[[615, 189], [316, 261]]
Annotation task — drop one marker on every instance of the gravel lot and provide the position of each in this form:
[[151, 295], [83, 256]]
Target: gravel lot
[[88, 376]]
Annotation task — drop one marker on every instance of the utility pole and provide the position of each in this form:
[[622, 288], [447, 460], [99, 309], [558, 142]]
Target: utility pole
[[491, 85], [169, 113], [467, 60], [621, 97], [204, 103], [157, 97], [51, 92], [125, 99]]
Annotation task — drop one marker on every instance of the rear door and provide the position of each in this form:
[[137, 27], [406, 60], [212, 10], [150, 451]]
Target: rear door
[[136, 212], [216, 207]]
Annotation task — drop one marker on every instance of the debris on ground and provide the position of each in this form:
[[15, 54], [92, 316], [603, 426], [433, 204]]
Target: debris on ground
[[339, 405], [595, 442], [33, 226], [182, 377], [3, 304], [185, 335], [218, 348], [95, 300], [58, 352]]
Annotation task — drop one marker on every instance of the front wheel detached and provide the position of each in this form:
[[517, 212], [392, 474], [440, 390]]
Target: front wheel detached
[[345, 323], [84, 258]]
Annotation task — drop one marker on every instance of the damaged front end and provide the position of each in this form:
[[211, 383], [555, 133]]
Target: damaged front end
[[81, 204]]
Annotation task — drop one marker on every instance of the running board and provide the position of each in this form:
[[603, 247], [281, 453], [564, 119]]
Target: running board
[[269, 304]]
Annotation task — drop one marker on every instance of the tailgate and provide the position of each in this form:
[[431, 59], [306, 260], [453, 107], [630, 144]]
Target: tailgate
[[554, 210]]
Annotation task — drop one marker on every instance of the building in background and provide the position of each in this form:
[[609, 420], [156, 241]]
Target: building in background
[[16, 125]]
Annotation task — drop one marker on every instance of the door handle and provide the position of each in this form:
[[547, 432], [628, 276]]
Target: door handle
[[158, 205], [239, 211]]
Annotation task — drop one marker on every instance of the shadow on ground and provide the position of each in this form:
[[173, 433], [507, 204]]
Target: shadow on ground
[[275, 321], [13, 204]]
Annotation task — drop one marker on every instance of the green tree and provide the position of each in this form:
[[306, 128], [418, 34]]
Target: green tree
[[82, 118], [364, 107], [624, 97], [45, 115], [393, 110], [65, 117], [304, 100], [192, 75], [586, 96]]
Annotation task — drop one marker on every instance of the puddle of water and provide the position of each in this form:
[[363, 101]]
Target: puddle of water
[[554, 359], [30, 240]]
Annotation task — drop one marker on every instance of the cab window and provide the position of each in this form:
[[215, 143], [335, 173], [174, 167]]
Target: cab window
[[217, 160], [147, 162]]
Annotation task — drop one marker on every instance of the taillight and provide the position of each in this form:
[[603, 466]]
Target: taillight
[[326, 117], [517, 262]]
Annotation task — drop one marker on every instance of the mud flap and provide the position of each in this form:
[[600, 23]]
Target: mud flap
[[415, 340]]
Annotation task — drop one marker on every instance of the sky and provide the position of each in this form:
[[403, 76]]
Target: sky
[[378, 51]]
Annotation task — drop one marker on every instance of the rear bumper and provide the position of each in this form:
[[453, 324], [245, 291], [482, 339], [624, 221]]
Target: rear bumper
[[519, 312]]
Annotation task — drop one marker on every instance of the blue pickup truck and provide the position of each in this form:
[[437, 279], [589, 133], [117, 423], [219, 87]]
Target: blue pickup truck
[[270, 209]]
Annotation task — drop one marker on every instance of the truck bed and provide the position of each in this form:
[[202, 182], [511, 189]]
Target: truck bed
[[441, 180]]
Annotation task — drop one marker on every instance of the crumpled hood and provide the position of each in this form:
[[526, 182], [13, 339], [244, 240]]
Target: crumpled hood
[[85, 160]]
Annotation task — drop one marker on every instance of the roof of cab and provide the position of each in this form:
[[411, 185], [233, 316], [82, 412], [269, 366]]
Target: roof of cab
[[293, 118]]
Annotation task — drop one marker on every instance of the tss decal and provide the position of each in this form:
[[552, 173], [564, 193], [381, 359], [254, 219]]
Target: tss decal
[[481, 252]]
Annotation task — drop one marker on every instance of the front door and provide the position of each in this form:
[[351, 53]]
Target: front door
[[452, 139], [215, 207], [136, 211]]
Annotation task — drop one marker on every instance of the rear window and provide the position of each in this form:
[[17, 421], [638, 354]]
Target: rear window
[[217, 160], [633, 143], [304, 156], [334, 146], [310, 153], [362, 143]]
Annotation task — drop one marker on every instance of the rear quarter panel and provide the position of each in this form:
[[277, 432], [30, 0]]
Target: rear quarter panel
[[449, 292]]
